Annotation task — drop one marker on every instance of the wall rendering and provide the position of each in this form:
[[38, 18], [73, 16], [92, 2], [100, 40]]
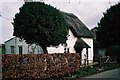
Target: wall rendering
[[70, 44]]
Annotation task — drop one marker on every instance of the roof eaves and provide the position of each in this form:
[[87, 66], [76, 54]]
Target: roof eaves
[[9, 39]]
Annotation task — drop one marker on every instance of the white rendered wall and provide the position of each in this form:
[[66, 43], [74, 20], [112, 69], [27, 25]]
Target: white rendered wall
[[70, 44], [23, 44], [58, 49], [83, 52], [8, 44], [89, 41], [16, 43]]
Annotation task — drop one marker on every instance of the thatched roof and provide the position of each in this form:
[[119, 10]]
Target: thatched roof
[[77, 27], [81, 44]]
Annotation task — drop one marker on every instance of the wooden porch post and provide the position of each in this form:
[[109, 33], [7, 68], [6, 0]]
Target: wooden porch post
[[87, 55]]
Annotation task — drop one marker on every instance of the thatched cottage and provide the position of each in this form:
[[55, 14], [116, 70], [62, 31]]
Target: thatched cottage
[[80, 40]]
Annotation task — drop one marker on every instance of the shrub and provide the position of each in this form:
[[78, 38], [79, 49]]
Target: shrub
[[108, 66], [114, 52], [84, 71], [39, 65]]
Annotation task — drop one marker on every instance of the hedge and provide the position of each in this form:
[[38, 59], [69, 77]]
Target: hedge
[[39, 65]]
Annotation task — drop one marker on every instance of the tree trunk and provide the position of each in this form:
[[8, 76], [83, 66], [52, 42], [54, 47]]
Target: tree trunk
[[44, 49]]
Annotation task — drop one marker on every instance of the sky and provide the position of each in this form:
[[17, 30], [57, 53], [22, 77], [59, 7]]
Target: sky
[[88, 11]]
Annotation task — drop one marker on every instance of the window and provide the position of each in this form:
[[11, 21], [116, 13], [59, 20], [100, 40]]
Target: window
[[66, 50], [12, 49], [20, 50]]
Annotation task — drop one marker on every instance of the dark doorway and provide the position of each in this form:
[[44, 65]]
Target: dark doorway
[[20, 50], [79, 50]]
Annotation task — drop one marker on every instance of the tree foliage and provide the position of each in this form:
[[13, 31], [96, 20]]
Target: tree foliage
[[40, 23], [109, 27], [114, 51]]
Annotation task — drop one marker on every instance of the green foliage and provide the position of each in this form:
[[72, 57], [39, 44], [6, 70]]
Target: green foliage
[[84, 71], [3, 51], [114, 51], [89, 70], [40, 23], [109, 27], [109, 66], [0, 51]]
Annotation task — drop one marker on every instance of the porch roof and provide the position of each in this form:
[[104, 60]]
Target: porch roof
[[81, 44]]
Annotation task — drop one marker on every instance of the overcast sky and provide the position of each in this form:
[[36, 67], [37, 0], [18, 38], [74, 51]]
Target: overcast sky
[[88, 11]]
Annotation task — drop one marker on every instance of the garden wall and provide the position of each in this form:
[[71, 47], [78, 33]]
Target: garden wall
[[39, 65]]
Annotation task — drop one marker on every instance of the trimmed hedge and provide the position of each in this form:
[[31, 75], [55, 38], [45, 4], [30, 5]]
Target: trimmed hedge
[[39, 65]]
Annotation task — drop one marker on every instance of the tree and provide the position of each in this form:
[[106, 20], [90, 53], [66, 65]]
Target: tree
[[40, 23], [114, 51], [108, 32], [109, 27]]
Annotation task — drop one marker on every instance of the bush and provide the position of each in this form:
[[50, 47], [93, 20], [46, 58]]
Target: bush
[[85, 71], [39, 65], [89, 70], [114, 52], [109, 66]]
